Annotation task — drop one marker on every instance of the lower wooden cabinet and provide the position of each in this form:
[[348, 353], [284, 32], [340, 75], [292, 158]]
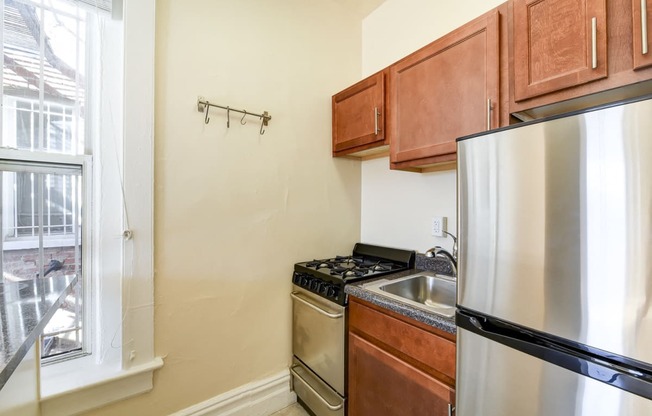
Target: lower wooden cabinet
[[386, 375]]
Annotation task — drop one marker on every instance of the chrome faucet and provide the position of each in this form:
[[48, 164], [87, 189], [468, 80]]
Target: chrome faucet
[[439, 252], [454, 245]]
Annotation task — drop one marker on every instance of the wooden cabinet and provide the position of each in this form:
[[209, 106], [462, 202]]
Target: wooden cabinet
[[448, 89], [359, 118], [641, 18], [558, 44], [397, 366], [526, 58], [553, 44], [385, 385]]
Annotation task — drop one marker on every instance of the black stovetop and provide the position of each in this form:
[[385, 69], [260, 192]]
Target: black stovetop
[[327, 277]]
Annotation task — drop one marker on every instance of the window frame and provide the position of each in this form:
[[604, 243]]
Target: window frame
[[85, 162], [12, 154], [111, 374], [22, 242]]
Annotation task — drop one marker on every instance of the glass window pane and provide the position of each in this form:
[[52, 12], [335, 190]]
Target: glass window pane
[[41, 237], [44, 65], [25, 199], [25, 128]]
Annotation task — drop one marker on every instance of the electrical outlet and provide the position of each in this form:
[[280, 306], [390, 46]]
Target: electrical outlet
[[438, 226]]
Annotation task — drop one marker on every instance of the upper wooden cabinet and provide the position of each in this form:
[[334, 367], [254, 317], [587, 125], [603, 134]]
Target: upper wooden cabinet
[[447, 89], [561, 61], [359, 118], [558, 44], [641, 18]]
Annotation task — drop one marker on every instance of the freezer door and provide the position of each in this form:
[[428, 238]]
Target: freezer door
[[496, 380], [555, 224]]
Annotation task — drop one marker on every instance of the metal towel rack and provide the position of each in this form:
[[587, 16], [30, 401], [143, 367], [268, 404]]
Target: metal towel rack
[[203, 106]]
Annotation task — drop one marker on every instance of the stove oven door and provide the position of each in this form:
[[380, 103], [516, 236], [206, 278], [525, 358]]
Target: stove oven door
[[318, 336]]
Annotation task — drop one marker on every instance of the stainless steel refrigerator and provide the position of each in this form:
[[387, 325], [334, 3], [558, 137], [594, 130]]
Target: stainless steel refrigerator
[[555, 266]]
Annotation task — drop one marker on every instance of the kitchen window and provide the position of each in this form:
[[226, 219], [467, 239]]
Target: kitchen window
[[45, 160], [42, 236], [76, 181]]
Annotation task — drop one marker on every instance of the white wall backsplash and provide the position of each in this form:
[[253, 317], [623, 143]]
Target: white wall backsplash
[[397, 207]]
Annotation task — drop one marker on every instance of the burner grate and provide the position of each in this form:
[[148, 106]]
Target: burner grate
[[352, 266], [347, 271], [320, 264], [327, 277]]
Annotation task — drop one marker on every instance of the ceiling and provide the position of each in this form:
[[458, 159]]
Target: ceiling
[[361, 8]]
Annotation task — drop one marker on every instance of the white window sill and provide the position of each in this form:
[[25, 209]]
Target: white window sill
[[79, 385]]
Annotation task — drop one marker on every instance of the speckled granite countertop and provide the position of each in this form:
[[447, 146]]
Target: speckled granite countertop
[[25, 309], [423, 264]]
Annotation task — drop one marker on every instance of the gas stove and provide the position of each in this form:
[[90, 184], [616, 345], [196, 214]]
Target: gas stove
[[327, 277]]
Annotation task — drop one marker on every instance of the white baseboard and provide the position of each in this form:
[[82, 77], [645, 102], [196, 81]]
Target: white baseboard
[[259, 398]]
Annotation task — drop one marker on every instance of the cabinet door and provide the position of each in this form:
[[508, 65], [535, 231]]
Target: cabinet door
[[358, 115], [416, 343], [641, 18], [447, 89], [382, 384], [558, 44]]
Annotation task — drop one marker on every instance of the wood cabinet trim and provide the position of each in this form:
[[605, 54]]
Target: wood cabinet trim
[[358, 142], [413, 322], [411, 341], [436, 149]]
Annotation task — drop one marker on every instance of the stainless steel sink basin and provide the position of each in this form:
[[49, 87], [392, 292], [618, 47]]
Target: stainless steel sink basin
[[432, 292]]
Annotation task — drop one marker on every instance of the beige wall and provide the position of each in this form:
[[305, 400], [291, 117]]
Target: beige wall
[[392, 31], [234, 210]]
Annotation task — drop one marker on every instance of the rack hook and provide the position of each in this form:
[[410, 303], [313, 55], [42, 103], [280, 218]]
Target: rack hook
[[262, 124], [242, 119], [228, 117], [206, 118]]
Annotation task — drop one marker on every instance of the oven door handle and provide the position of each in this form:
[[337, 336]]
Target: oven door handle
[[295, 295], [330, 406]]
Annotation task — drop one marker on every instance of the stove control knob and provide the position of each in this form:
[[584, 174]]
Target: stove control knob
[[324, 289], [296, 278], [315, 285], [305, 280], [333, 292]]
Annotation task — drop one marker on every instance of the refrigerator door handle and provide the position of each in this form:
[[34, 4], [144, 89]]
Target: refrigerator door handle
[[608, 370]]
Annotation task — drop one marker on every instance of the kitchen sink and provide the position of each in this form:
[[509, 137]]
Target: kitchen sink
[[432, 292]]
